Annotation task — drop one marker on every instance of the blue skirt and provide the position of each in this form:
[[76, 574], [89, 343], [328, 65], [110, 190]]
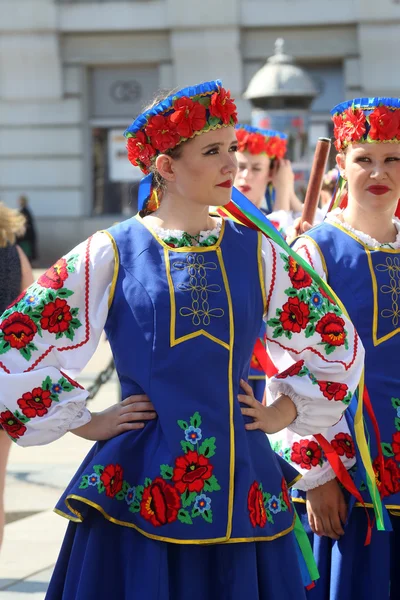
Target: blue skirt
[[351, 571], [103, 561]]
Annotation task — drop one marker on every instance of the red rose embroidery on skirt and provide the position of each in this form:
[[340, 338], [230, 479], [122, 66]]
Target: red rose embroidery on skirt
[[56, 316], [285, 495], [55, 276], [294, 315], [333, 390], [18, 330], [255, 504], [11, 425], [113, 478], [390, 482], [191, 471], [344, 445], [35, 403], [396, 445], [291, 371], [298, 276], [160, 503], [306, 453], [331, 329]]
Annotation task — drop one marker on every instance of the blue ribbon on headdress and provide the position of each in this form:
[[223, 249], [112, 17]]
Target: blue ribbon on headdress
[[144, 190]]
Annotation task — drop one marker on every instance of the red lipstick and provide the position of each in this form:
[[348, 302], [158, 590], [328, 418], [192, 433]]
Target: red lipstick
[[378, 190], [225, 184], [244, 188]]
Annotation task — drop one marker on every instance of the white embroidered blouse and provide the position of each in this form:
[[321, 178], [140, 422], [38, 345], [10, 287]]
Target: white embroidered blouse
[[53, 329], [316, 473]]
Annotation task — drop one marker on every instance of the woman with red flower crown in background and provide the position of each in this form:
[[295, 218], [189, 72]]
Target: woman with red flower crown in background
[[357, 250], [15, 276], [194, 502]]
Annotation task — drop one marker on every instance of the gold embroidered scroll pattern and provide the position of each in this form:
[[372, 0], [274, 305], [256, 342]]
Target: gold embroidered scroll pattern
[[392, 267], [199, 289]]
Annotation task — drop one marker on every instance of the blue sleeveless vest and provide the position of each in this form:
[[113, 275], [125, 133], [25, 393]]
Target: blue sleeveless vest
[[368, 283], [182, 326]]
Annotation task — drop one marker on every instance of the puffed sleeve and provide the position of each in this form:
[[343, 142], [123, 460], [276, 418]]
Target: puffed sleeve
[[47, 336], [304, 453], [314, 346]]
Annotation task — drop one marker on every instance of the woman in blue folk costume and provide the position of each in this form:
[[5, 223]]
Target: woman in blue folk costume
[[193, 502], [258, 150], [357, 251]]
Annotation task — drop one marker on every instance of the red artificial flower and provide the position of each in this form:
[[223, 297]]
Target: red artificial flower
[[11, 425], [353, 125], [344, 445], [18, 330], [294, 315], [298, 276], [242, 137], [35, 403], [333, 390], [223, 106], [188, 117], [338, 131], [331, 329], [113, 479], [306, 453], [384, 123], [389, 483], [139, 150], [56, 316], [191, 471], [255, 504], [162, 133], [160, 503], [255, 143], [275, 147], [396, 445], [291, 371], [55, 276], [285, 495]]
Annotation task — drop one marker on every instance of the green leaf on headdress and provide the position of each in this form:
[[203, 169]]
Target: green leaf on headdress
[[204, 100], [213, 121]]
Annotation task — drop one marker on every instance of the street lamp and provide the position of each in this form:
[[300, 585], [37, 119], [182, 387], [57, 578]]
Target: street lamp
[[281, 94]]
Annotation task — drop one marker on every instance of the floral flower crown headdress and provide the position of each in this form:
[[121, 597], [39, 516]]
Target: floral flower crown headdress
[[261, 141], [180, 117], [366, 120]]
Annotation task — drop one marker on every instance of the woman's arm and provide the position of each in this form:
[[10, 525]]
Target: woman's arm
[[27, 277]]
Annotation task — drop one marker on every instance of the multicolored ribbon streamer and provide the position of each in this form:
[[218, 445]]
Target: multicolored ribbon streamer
[[244, 212]]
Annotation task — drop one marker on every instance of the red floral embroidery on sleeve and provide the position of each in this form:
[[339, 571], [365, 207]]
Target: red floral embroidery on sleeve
[[307, 454], [344, 445], [291, 371]]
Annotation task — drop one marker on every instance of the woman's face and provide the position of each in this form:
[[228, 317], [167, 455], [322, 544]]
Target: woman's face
[[205, 171], [373, 175], [253, 175]]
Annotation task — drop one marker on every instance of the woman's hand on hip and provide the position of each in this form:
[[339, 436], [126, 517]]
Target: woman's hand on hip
[[270, 419], [131, 414]]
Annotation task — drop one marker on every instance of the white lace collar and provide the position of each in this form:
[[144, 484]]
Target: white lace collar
[[178, 233], [333, 217]]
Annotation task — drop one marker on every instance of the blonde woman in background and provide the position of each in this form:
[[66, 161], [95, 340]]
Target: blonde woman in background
[[15, 276]]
